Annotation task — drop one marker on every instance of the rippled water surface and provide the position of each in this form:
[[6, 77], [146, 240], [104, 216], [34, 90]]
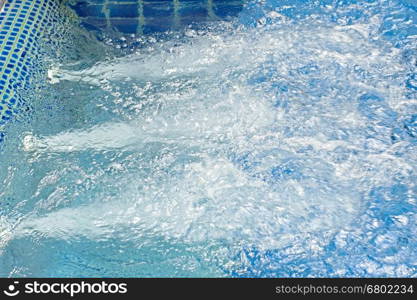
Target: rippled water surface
[[282, 143]]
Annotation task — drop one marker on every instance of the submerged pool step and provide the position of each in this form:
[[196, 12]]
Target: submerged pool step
[[147, 16]]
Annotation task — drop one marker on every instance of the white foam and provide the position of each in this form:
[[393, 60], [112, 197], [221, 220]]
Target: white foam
[[213, 112]]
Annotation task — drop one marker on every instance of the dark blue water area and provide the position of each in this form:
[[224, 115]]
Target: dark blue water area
[[149, 17]]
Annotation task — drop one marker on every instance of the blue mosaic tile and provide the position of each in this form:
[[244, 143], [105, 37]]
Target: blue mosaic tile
[[85, 10], [158, 9], [123, 10], [149, 16]]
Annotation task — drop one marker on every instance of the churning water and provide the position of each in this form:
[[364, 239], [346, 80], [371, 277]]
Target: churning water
[[283, 143]]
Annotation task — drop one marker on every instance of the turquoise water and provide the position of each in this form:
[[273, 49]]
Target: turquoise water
[[281, 143]]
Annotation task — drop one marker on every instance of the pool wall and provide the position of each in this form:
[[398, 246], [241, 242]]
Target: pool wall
[[24, 26], [147, 16]]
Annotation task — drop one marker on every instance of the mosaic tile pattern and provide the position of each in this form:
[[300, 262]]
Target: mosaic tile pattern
[[146, 16], [22, 25]]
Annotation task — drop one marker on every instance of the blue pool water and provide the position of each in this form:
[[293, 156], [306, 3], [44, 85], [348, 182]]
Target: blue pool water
[[279, 143]]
